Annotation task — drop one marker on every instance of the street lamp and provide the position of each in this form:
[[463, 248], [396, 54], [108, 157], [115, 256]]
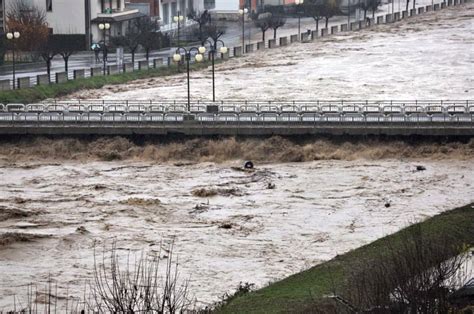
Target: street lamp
[[242, 12], [178, 19], [13, 36], [298, 3], [187, 53], [213, 51], [104, 27]]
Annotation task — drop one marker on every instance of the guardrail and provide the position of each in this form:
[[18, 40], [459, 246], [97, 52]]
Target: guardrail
[[429, 107]]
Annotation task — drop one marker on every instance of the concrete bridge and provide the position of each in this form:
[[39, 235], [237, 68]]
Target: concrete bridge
[[122, 117]]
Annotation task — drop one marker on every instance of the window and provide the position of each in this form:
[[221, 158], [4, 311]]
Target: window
[[166, 16], [174, 10], [49, 5], [209, 4]]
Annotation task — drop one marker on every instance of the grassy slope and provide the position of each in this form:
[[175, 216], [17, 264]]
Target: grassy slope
[[41, 92], [297, 291]]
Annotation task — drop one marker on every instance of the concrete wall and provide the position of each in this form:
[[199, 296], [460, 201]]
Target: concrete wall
[[97, 71], [334, 29], [412, 12], [272, 43], [79, 74], [23, 82], [404, 14], [293, 38], [343, 27], [5, 85], [379, 19], [260, 45], [42, 79], [157, 62], [324, 32], [421, 10], [396, 16], [237, 51], [143, 65], [283, 41], [128, 67], [112, 69], [61, 77], [249, 48]]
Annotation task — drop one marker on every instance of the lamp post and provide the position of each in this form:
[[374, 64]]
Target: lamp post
[[213, 51], [104, 27], [178, 19], [13, 36], [187, 53], [298, 3], [242, 12]]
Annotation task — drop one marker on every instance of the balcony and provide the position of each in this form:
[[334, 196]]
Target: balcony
[[116, 13]]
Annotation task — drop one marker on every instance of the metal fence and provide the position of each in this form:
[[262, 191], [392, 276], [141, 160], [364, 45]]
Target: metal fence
[[127, 112]]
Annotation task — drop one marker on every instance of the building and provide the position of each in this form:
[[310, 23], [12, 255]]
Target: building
[[2, 16], [147, 7], [170, 8], [84, 16]]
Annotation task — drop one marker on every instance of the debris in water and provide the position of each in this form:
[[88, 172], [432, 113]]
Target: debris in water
[[270, 185], [82, 230], [420, 168], [226, 226], [135, 201], [248, 165]]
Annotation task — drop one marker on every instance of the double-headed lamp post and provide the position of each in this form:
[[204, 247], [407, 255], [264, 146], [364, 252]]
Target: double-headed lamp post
[[213, 51], [298, 3], [13, 36], [187, 54], [178, 19], [242, 12], [104, 27]]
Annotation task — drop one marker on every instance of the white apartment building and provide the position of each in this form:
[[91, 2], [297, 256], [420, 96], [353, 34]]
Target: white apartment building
[[171, 8], [84, 16]]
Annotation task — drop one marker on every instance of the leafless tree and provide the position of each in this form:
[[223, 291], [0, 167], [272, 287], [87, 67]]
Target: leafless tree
[[263, 23], [415, 275], [139, 287], [275, 23]]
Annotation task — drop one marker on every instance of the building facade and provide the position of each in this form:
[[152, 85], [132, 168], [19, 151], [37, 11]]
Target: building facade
[[147, 7], [83, 16], [171, 8]]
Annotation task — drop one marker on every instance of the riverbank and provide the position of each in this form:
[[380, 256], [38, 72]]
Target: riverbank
[[300, 292]]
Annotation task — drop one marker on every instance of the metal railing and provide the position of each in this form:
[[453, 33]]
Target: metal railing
[[125, 113]]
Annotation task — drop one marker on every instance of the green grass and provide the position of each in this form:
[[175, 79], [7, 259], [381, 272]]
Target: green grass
[[297, 292], [42, 92]]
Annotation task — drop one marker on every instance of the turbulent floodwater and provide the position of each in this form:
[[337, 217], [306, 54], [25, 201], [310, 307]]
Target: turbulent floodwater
[[61, 198], [315, 211], [426, 57]]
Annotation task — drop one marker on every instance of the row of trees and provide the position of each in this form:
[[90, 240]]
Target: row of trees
[[274, 16], [30, 21]]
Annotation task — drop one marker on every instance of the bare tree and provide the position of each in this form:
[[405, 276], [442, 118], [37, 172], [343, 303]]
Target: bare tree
[[67, 45], [374, 6], [263, 23], [275, 23], [202, 19], [330, 8], [30, 21], [414, 275], [315, 10], [139, 287], [150, 38]]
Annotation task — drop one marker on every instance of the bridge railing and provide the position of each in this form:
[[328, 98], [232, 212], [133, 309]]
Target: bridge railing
[[240, 106]]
